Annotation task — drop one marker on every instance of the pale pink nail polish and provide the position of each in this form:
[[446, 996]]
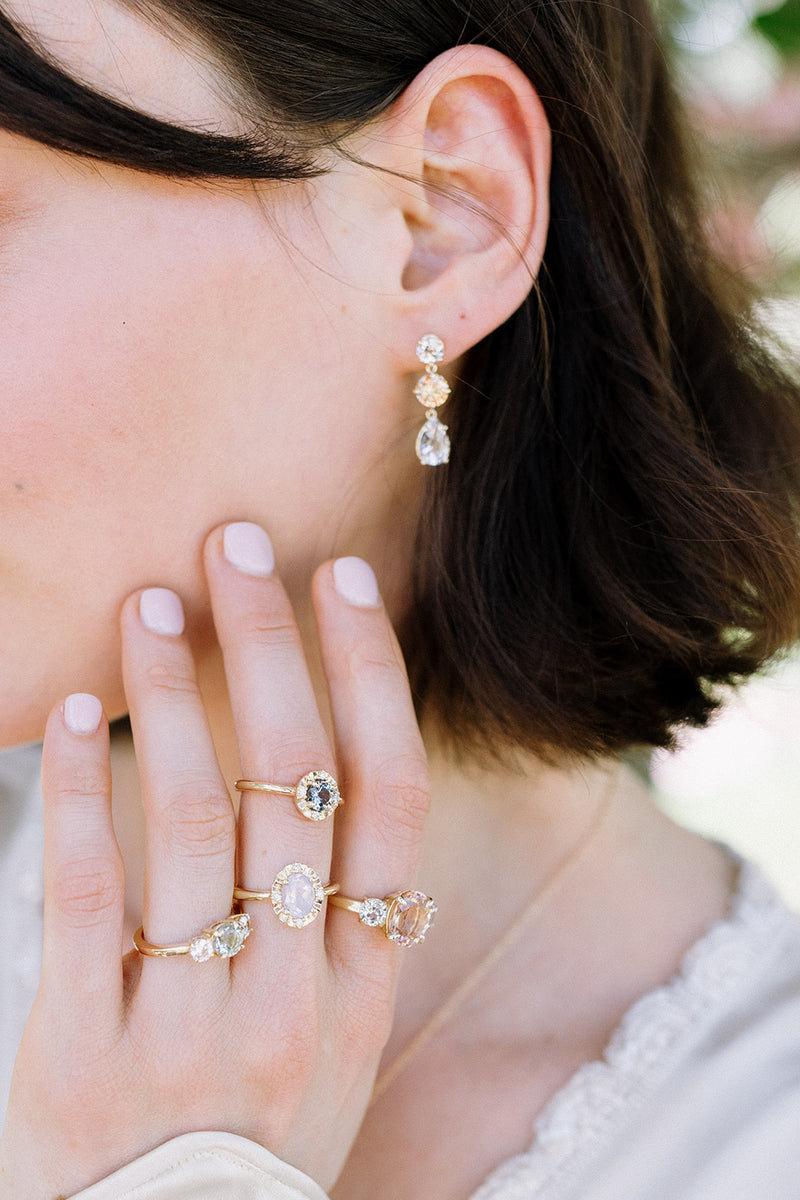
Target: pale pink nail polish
[[247, 547], [161, 611], [82, 713], [356, 583]]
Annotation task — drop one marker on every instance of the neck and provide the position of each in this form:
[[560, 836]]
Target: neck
[[496, 834]]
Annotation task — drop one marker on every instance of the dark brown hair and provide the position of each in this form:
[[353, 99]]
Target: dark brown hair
[[615, 533]]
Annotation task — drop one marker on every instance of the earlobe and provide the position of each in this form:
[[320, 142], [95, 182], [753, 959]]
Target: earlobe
[[478, 224]]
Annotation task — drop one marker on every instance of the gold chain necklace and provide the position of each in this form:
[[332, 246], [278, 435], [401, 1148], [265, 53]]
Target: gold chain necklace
[[479, 972]]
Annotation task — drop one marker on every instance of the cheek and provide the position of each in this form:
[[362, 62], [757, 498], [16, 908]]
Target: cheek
[[117, 352], [112, 362]]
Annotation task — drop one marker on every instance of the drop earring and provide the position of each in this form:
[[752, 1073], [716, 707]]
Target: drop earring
[[433, 444]]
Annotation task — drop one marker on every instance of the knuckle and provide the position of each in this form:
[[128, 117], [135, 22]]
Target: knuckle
[[85, 782], [382, 659], [295, 754], [168, 680], [88, 891], [261, 629], [199, 821], [369, 1011], [403, 787]]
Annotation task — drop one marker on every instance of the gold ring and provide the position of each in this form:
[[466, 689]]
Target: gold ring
[[404, 917], [221, 940], [297, 895], [317, 794]]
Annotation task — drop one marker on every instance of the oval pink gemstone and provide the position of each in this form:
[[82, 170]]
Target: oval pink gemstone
[[410, 917], [298, 896]]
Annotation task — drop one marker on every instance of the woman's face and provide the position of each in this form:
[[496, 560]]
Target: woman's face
[[173, 355]]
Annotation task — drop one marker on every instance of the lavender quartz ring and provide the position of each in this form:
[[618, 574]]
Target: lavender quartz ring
[[297, 895], [403, 917]]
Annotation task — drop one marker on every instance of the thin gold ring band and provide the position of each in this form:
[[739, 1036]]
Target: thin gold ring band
[[145, 947], [350, 905], [255, 785]]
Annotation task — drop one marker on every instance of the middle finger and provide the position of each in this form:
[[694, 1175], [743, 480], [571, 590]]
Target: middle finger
[[280, 732]]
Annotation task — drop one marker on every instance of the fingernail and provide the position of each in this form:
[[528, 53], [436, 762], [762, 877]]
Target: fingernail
[[161, 611], [356, 583], [82, 713], [248, 548]]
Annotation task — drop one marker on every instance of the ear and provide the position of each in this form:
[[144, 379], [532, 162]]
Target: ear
[[472, 128]]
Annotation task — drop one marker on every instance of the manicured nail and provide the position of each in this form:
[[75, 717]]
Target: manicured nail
[[161, 611], [82, 713], [248, 548], [356, 583]]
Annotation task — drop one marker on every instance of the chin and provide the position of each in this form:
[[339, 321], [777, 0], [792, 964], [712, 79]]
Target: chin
[[20, 727], [23, 715]]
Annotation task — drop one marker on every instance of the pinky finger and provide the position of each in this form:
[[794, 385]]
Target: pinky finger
[[84, 884]]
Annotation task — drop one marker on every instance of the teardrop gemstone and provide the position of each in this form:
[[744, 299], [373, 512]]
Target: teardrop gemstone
[[433, 444]]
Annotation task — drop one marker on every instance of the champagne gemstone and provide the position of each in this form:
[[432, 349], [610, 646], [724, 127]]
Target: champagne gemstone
[[433, 444], [298, 896], [228, 937], [432, 390], [409, 919]]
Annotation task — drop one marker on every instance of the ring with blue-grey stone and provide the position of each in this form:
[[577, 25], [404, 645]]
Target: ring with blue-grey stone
[[317, 795]]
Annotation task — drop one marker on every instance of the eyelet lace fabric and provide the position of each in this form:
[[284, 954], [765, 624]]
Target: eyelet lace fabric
[[657, 1032]]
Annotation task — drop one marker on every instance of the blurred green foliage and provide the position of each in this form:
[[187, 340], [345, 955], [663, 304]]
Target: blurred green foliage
[[781, 27]]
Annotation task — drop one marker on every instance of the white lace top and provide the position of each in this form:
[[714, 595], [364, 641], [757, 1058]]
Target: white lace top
[[698, 1092], [697, 1096]]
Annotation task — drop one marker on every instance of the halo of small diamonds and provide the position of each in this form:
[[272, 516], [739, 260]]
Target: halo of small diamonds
[[297, 895], [318, 795]]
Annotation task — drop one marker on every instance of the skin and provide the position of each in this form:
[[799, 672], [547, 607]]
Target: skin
[[158, 383]]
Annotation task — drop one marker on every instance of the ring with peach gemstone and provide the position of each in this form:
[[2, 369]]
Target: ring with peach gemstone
[[223, 939], [403, 917], [317, 795], [297, 895]]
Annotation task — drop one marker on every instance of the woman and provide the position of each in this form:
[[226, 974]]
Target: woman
[[235, 238]]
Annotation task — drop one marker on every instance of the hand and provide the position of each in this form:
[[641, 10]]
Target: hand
[[281, 1043]]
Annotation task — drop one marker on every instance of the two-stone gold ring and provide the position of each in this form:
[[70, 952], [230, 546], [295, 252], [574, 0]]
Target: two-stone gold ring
[[223, 939], [298, 894]]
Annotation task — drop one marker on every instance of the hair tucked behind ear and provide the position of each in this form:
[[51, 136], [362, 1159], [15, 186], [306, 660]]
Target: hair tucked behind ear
[[616, 532]]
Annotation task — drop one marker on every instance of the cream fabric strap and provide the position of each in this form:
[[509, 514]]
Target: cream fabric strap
[[214, 1166]]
